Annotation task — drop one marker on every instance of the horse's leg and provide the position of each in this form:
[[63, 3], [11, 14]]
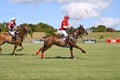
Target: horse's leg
[[76, 46], [44, 48], [71, 51], [0, 50], [20, 48], [1, 43], [13, 53], [38, 52]]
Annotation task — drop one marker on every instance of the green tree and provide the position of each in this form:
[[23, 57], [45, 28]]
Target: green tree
[[93, 29], [110, 30], [101, 28], [3, 27]]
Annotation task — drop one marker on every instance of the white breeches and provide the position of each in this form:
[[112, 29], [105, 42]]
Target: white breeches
[[62, 32], [12, 32]]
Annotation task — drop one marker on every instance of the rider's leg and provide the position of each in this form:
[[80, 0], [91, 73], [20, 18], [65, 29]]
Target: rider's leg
[[12, 33], [66, 38], [64, 32], [60, 33]]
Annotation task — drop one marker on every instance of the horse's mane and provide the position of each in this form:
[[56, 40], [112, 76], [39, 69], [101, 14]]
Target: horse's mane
[[26, 29], [78, 29]]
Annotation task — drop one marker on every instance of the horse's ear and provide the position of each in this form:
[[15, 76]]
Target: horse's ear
[[81, 25]]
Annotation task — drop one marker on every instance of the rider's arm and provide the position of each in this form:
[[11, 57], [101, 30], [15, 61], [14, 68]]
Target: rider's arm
[[65, 25], [9, 26]]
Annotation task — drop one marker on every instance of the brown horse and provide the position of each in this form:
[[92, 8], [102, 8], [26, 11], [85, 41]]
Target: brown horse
[[20, 35], [55, 40]]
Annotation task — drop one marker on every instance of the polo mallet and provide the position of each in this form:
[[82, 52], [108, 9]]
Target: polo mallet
[[79, 18]]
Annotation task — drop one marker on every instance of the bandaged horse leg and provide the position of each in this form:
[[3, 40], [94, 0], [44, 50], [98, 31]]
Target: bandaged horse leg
[[43, 49], [37, 52], [42, 56]]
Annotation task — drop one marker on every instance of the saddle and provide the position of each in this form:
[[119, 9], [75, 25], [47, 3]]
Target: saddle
[[66, 39]]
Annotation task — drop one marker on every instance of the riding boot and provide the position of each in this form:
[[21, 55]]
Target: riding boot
[[13, 39]]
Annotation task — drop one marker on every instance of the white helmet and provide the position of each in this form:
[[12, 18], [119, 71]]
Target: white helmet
[[13, 19]]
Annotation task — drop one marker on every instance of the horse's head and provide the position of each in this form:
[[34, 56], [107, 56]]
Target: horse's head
[[81, 31], [26, 30]]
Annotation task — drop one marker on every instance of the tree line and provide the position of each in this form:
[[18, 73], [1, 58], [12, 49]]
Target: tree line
[[102, 28], [43, 27]]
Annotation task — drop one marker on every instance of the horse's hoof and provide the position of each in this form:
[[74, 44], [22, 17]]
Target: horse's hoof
[[84, 52], [74, 58], [13, 54]]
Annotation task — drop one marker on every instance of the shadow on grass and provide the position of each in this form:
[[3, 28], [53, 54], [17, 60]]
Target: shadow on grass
[[9, 54], [58, 57]]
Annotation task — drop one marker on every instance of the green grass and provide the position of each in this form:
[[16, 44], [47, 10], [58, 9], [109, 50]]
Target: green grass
[[101, 63]]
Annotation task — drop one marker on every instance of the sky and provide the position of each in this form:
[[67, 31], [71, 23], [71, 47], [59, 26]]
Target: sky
[[86, 12]]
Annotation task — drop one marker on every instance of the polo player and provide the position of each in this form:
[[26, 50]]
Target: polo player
[[12, 28]]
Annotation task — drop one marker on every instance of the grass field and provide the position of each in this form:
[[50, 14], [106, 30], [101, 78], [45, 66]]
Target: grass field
[[101, 63]]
